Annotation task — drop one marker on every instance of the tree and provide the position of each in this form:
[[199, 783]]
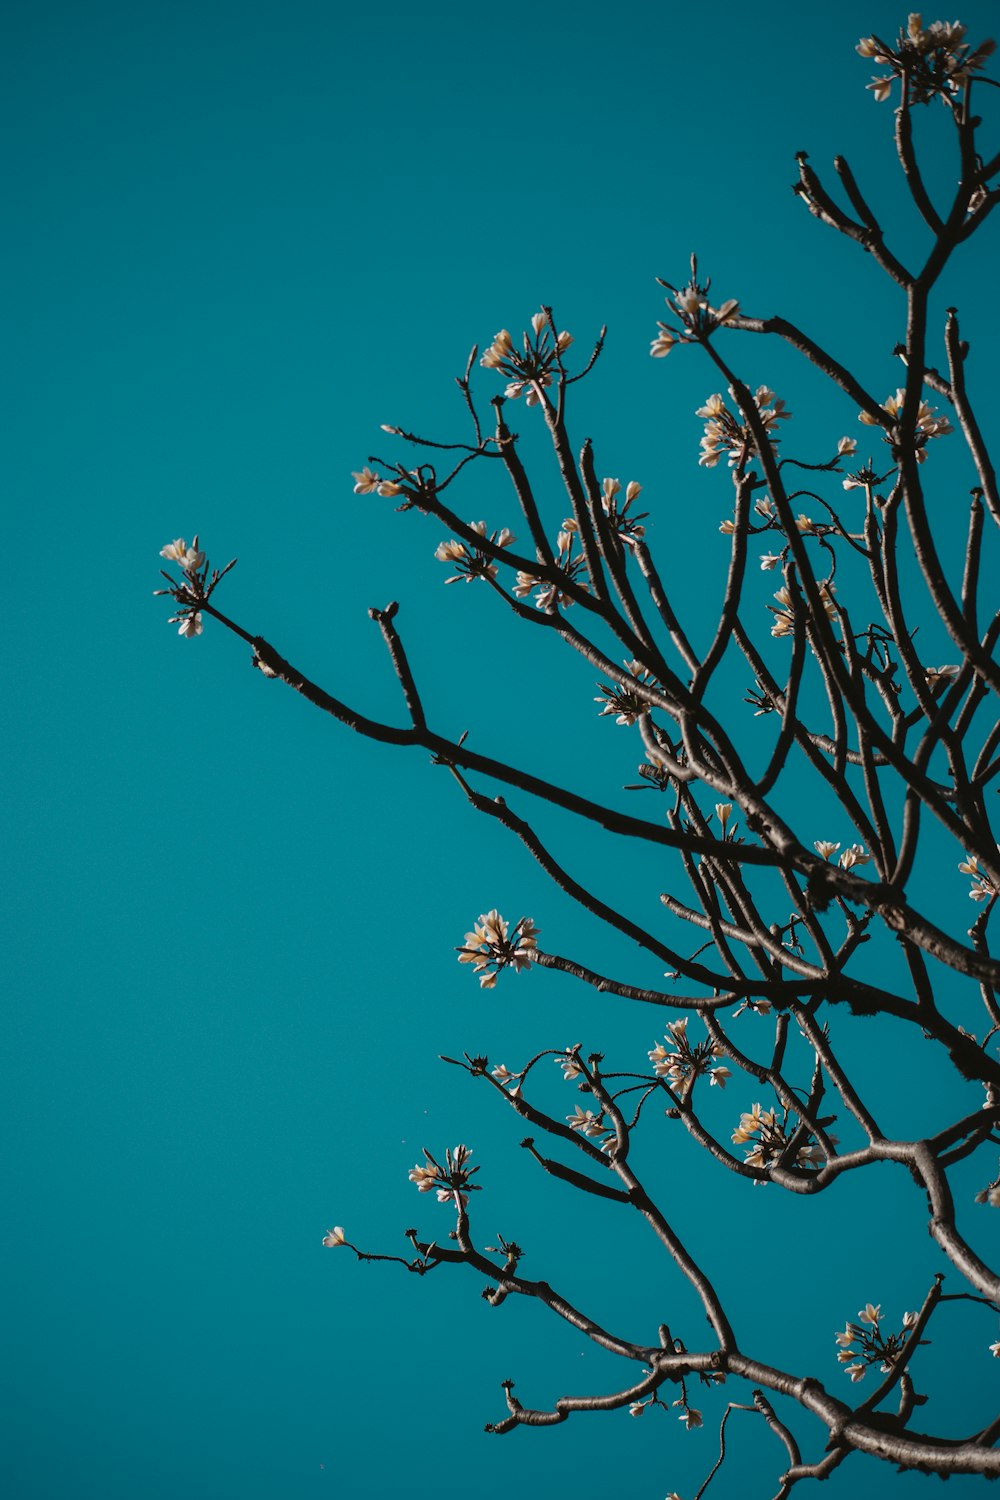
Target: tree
[[848, 717]]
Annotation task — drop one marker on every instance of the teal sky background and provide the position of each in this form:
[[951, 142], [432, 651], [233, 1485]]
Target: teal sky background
[[240, 237]]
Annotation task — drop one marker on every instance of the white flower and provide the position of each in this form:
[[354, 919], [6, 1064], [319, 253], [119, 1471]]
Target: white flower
[[847, 446], [691, 1418], [366, 483], [769, 560], [870, 1314], [824, 848], [498, 351], [663, 343], [585, 1121], [723, 811], [190, 625], [424, 1177], [995, 1350], [334, 1237], [188, 558], [855, 855], [856, 1372], [637, 1408]]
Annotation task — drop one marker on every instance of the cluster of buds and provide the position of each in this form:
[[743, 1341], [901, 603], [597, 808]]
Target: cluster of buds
[[685, 1063], [725, 433], [932, 60], [784, 613], [472, 562], [983, 889], [528, 370], [928, 425], [451, 1181], [874, 1347], [691, 307], [626, 526], [759, 1129], [621, 698], [490, 950], [550, 596], [195, 587]]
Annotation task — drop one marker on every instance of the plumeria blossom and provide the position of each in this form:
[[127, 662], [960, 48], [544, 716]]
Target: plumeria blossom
[[983, 889], [690, 1416], [846, 447], [190, 625], [551, 596], [507, 1080], [937, 677], [696, 317], [682, 1065], [490, 950], [934, 61], [866, 1343], [450, 1181], [760, 1130], [187, 558], [824, 848], [471, 561], [528, 370], [586, 1122], [194, 588], [334, 1237], [626, 526], [726, 433], [927, 426], [854, 855], [784, 614], [570, 1063], [758, 1007], [621, 699]]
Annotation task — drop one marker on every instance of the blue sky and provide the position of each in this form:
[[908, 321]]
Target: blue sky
[[241, 238]]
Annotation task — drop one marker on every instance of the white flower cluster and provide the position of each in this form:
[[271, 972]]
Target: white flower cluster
[[854, 854], [875, 1347], [368, 483], [550, 595], [759, 1128], [193, 565], [490, 950], [983, 889], [682, 1065], [928, 424], [471, 561], [626, 526], [784, 614], [620, 699], [450, 1182], [697, 317], [935, 59], [725, 433], [528, 370]]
